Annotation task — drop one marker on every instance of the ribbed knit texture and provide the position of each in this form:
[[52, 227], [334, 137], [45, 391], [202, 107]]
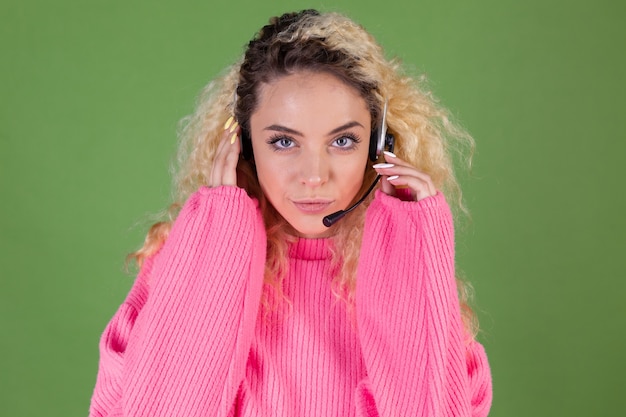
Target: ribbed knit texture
[[189, 339]]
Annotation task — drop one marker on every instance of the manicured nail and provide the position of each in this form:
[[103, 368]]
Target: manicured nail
[[228, 122], [233, 138], [378, 166], [393, 177], [393, 155], [234, 127]]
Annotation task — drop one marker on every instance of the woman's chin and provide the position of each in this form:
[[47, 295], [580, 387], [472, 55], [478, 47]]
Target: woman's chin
[[312, 229]]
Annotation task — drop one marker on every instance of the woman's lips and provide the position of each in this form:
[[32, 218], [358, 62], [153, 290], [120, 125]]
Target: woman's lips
[[312, 206]]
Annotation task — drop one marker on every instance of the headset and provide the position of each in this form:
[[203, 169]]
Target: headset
[[380, 140]]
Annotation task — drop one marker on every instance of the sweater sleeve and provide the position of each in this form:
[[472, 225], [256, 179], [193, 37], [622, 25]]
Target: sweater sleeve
[[113, 343], [418, 357], [183, 352]]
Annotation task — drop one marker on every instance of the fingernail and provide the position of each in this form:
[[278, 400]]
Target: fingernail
[[393, 177], [233, 138], [377, 166], [391, 154], [228, 122], [234, 127]]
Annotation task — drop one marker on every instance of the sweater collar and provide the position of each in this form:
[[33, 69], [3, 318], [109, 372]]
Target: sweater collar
[[311, 249]]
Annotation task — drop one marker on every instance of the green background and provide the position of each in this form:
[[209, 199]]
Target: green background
[[90, 96]]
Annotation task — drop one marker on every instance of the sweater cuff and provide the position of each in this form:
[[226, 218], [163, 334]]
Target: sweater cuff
[[436, 202], [226, 191]]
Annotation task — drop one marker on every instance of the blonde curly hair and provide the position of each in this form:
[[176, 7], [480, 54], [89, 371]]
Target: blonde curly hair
[[330, 42]]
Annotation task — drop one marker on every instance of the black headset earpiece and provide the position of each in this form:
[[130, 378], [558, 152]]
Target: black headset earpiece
[[246, 145], [378, 144], [380, 140]]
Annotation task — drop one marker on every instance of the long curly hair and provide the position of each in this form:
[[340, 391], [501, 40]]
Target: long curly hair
[[332, 43]]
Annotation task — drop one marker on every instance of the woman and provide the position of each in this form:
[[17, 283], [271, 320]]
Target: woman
[[247, 304]]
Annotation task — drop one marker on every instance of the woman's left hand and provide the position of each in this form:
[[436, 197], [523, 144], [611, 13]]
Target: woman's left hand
[[398, 173]]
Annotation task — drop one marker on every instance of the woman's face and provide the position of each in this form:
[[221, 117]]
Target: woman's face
[[310, 136]]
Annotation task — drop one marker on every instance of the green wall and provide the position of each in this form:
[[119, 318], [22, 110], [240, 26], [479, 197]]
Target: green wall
[[90, 96]]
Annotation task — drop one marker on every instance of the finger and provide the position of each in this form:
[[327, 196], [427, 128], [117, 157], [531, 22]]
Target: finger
[[226, 156], [382, 170], [394, 169], [405, 175], [410, 172], [386, 187], [229, 175], [393, 159], [218, 161], [419, 187]]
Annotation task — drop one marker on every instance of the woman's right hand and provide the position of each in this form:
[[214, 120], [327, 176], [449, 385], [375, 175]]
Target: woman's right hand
[[224, 170]]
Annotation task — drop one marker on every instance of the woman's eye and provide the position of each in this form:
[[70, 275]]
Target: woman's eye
[[282, 143], [285, 143], [342, 142], [345, 142]]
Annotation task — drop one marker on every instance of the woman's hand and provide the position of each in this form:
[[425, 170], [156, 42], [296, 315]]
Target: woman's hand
[[224, 170], [398, 173]]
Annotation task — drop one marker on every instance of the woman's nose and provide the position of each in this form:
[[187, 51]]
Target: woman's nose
[[314, 169]]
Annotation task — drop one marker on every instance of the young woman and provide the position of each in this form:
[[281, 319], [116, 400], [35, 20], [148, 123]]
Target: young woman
[[247, 304]]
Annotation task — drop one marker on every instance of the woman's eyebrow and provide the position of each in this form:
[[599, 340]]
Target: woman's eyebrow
[[285, 129], [344, 127]]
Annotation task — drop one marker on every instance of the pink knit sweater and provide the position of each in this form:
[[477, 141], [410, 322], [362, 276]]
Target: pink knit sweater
[[189, 340]]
